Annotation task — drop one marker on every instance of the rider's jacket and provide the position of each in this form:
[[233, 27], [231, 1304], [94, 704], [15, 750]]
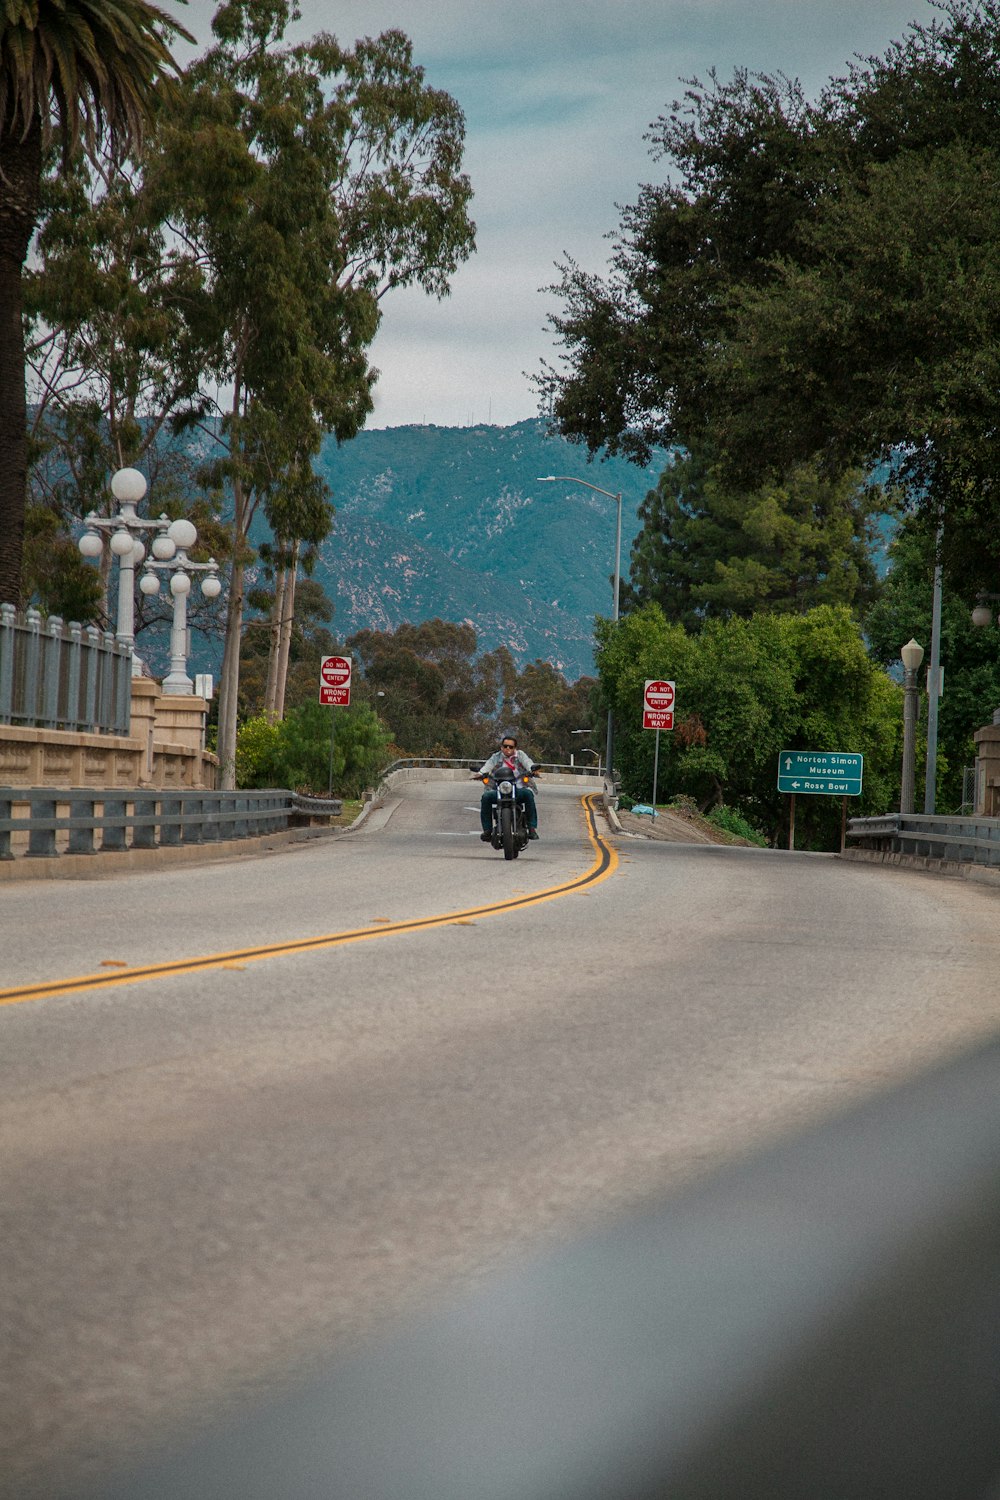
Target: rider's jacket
[[522, 762]]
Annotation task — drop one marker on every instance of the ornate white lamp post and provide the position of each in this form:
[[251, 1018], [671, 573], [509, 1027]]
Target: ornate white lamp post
[[912, 655], [170, 556], [124, 532], [982, 615]]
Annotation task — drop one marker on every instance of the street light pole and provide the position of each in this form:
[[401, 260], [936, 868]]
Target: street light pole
[[934, 683], [912, 655], [617, 498], [170, 556], [587, 750], [124, 531]]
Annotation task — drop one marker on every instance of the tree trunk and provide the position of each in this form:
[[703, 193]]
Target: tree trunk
[[285, 638], [271, 708], [20, 178], [229, 683]]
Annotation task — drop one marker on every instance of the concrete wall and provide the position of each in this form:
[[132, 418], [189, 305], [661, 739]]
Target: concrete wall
[[165, 748], [988, 771]]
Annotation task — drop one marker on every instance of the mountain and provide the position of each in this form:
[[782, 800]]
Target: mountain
[[452, 522]]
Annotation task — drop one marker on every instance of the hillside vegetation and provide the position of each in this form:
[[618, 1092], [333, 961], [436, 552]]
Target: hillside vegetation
[[451, 523]]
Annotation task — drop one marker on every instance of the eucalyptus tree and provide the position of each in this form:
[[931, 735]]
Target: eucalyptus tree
[[304, 182], [84, 73], [304, 512], [110, 358], [108, 343]]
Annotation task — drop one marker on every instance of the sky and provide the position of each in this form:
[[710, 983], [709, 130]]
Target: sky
[[557, 99]]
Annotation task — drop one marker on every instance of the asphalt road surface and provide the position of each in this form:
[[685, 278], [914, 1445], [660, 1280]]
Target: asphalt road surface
[[219, 1165]]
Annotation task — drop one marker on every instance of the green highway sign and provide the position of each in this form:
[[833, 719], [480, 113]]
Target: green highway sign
[[820, 773]]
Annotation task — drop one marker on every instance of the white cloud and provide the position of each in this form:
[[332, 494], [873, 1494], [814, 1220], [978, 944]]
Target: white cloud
[[557, 99]]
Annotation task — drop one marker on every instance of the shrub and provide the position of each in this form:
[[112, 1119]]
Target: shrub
[[258, 743], [731, 821], [295, 752], [684, 804]]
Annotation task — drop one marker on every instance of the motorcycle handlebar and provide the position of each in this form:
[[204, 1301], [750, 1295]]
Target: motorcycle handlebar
[[487, 779]]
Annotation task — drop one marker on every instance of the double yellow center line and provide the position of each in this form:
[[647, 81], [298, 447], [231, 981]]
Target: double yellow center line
[[604, 864]]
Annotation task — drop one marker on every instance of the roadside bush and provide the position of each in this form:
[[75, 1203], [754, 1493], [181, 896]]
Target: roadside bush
[[731, 821], [683, 804], [295, 752], [258, 754]]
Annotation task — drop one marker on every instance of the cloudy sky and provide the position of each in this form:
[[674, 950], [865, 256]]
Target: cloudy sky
[[557, 98]]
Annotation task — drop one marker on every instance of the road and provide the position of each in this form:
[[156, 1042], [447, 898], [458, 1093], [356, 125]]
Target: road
[[219, 1167]]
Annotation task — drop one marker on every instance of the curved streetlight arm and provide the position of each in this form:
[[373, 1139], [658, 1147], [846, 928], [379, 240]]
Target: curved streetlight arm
[[612, 495], [572, 479]]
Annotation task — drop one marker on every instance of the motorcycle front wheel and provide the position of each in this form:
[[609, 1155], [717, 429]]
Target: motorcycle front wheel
[[507, 832]]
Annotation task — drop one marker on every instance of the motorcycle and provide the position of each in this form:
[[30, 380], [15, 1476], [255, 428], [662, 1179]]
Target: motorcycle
[[510, 817]]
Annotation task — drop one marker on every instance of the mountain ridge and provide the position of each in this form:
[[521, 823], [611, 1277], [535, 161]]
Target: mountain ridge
[[452, 523]]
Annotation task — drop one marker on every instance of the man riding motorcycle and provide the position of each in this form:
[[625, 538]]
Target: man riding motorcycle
[[517, 766]]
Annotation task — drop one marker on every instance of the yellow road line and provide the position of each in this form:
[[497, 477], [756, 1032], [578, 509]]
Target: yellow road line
[[605, 864]]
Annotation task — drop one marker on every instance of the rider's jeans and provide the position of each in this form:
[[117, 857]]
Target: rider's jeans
[[522, 793]]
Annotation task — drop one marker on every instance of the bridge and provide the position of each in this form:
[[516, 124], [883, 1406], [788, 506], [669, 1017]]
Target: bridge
[[378, 1164]]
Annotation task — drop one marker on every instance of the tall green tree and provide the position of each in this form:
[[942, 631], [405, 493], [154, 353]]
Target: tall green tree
[[440, 695], [111, 364], [746, 690], [84, 72], [816, 279], [309, 640], [743, 159], [888, 342], [428, 685], [108, 341], [547, 712], [306, 182], [710, 549], [970, 656]]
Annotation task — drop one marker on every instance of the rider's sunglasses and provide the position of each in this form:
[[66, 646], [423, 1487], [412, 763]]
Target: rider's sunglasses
[[507, 745]]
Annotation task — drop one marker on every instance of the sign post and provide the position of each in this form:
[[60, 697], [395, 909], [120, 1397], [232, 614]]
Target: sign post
[[820, 773], [657, 713], [334, 690]]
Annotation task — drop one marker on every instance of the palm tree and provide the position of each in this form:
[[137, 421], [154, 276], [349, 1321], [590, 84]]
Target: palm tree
[[78, 73]]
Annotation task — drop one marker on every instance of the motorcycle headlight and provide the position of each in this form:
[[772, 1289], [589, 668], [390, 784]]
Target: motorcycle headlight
[[506, 788]]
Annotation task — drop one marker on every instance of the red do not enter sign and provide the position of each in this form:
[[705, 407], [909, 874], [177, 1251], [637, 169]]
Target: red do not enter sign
[[658, 695], [335, 671]]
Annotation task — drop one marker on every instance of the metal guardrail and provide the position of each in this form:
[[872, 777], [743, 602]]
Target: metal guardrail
[[821, 1321], [966, 840], [56, 676], [67, 820]]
